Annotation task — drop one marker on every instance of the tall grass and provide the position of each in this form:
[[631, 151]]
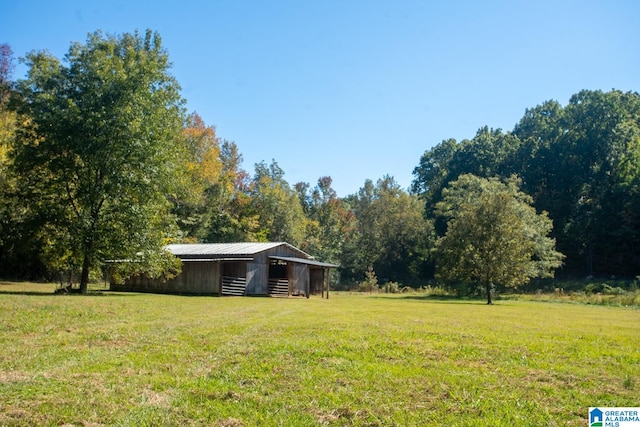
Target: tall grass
[[142, 359]]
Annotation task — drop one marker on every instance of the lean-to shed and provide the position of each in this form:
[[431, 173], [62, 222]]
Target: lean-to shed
[[273, 268]]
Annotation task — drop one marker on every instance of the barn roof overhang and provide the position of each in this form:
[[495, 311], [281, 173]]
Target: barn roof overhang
[[215, 259], [305, 261]]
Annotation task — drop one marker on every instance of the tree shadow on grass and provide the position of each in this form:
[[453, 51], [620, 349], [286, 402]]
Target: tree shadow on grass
[[105, 294], [26, 293], [48, 294], [445, 299], [46, 289], [92, 293]]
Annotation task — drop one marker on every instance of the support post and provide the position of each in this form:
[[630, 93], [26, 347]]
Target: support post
[[328, 273]]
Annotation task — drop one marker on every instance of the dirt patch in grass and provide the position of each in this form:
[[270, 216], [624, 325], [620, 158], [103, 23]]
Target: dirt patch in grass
[[14, 377], [156, 398]]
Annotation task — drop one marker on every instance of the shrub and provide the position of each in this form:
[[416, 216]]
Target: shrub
[[612, 290], [391, 288], [593, 288], [370, 283]]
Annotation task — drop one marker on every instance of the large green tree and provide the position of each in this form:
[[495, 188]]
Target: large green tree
[[491, 152], [494, 235], [98, 161], [19, 239], [393, 237], [277, 205], [581, 165], [330, 223], [229, 214], [202, 156], [578, 162], [10, 235]]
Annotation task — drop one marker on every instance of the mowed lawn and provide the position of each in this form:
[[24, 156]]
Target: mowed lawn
[[142, 359]]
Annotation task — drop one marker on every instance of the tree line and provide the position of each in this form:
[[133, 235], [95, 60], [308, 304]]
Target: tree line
[[580, 163], [99, 160]]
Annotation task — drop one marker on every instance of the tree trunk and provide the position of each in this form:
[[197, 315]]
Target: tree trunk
[[84, 277], [488, 287]]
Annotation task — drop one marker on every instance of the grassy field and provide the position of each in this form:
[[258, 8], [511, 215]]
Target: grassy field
[[141, 359]]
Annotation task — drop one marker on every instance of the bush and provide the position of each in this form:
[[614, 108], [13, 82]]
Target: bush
[[593, 288], [391, 288], [612, 290], [370, 283], [435, 290], [603, 288]]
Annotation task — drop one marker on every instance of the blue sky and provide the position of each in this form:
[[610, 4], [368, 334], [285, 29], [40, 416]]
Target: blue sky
[[357, 90]]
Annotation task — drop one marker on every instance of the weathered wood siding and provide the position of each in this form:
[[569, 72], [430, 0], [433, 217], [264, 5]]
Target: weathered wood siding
[[196, 278], [299, 279], [234, 268], [285, 251], [317, 278], [258, 270], [257, 278], [199, 278]]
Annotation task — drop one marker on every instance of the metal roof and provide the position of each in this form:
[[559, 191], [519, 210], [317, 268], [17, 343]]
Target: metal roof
[[305, 261], [217, 259], [226, 249]]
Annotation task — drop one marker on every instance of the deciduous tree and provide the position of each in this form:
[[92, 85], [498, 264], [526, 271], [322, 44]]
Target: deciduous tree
[[9, 234], [280, 213], [494, 235], [229, 214], [330, 223], [101, 154], [203, 170], [393, 236]]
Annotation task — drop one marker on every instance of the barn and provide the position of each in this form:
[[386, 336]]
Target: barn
[[265, 269]]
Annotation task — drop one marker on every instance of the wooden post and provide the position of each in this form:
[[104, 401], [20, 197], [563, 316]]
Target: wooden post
[[328, 273], [290, 271]]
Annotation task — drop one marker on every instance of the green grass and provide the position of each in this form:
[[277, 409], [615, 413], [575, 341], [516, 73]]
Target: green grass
[[624, 299], [153, 360]]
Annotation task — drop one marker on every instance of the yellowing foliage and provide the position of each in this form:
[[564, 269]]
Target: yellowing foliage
[[203, 147], [7, 131]]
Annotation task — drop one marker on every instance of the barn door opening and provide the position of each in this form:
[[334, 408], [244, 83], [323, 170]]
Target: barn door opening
[[278, 279], [234, 278]]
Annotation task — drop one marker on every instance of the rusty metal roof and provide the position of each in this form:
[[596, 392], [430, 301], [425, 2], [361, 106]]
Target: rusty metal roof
[[226, 249]]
